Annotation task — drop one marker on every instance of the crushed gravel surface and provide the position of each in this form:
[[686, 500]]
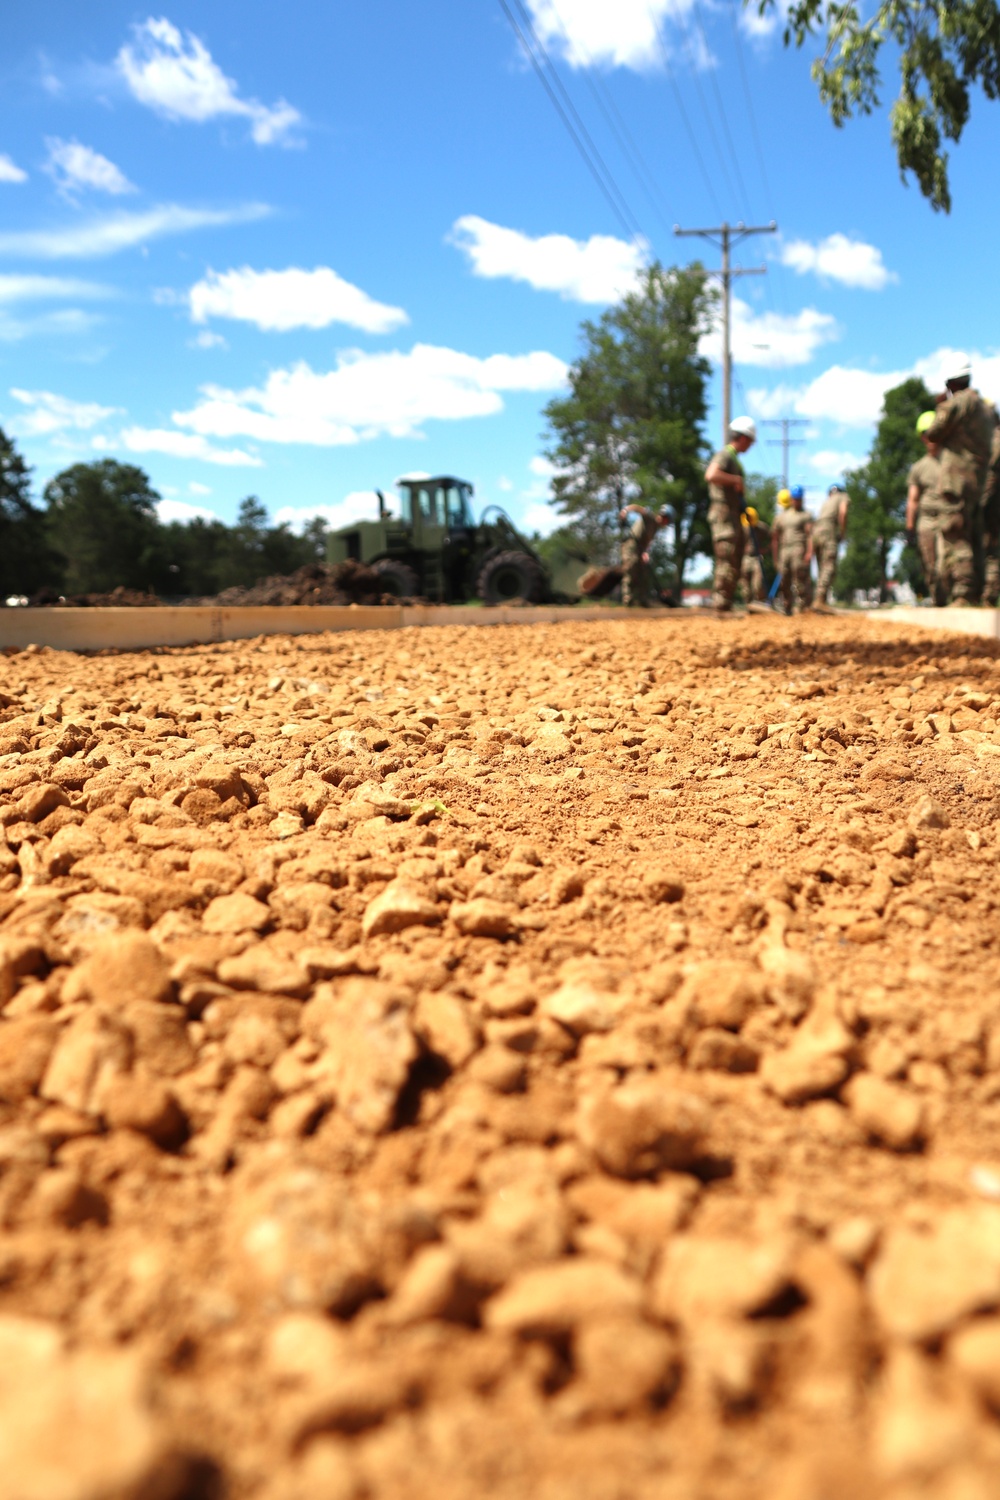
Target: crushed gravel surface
[[554, 1061]]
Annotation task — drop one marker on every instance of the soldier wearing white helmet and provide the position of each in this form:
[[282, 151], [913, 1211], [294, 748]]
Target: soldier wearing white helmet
[[725, 479], [963, 431]]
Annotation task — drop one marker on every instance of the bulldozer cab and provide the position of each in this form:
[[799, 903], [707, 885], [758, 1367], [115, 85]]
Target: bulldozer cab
[[433, 506]]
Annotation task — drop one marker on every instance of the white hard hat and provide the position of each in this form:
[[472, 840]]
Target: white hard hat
[[744, 427], [961, 369]]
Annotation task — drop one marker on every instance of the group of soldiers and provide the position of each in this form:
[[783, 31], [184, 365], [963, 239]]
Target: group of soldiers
[[952, 515], [953, 498], [740, 538]]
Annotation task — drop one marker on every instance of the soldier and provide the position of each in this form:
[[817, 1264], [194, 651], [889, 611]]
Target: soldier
[[831, 523], [963, 430], [791, 548], [725, 480], [752, 577], [991, 520], [924, 512], [642, 527]]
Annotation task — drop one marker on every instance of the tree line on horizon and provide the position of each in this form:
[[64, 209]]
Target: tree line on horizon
[[98, 529], [631, 427]]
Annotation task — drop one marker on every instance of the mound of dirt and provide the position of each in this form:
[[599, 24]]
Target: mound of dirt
[[315, 583], [347, 583], [531, 1061], [119, 598]]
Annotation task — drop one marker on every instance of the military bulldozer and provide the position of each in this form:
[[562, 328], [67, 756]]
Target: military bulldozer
[[435, 549]]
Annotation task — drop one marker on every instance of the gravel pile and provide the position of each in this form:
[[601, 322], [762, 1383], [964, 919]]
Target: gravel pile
[[552, 1061]]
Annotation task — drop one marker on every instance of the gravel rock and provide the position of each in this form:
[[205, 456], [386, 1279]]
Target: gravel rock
[[399, 906], [236, 913], [557, 1298], [887, 1112], [642, 1127], [723, 994], [72, 1426], [923, 1282], [484, 917]]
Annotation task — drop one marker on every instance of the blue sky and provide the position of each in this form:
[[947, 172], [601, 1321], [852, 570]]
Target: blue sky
[[299, 251]]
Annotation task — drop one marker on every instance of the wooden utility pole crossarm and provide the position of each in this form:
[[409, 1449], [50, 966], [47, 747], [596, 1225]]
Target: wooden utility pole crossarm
[[725, 236]]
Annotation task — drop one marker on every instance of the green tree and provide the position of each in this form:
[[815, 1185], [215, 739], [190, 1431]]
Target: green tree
[[101, 520], [26, 561], [878, 491], [630, 427], [944, 48]]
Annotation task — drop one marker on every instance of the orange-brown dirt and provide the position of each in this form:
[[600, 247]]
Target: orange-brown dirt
[[553, 1061]]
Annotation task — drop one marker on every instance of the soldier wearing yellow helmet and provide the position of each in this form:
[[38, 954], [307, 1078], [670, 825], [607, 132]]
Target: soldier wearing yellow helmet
[[752, 578], [925, 512]]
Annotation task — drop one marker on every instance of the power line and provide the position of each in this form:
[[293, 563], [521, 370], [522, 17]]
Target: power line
[[755, 133], [692, 138], [578, 133], [609, 109], [628, 145], [692, 59], [720, 101]]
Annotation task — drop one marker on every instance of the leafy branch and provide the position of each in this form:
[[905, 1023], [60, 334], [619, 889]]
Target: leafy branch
[[944, 50]]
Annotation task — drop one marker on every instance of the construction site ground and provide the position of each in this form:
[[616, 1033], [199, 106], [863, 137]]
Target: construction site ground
[[554, 1061]]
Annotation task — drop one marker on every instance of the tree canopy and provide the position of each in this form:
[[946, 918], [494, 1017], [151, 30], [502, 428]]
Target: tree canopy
[[944, 49], [631, 426], [25, 559]]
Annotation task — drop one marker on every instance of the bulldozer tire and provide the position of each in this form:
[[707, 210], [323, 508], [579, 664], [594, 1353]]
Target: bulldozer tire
[[398, 578], [511, 576]]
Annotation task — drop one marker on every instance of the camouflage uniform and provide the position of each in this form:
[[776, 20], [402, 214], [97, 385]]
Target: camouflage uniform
[[964, 429], [635, 572], [791, 527], [991, 523], [752, 572], [826, 540], [925, 474], [724, 509]]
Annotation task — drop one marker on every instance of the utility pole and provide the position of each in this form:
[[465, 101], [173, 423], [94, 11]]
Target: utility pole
[[785, 442], [725, 236]]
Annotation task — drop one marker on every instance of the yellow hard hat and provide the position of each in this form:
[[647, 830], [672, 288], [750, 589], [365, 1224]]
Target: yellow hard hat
[[924, 421], [750, 517], [784, 498]]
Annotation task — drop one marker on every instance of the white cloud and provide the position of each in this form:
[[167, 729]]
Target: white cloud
[[185, 445], [29, 288], [851, 397], [10, 171], [73, 166], [206, 339], [599, 270], [772, 340], [48, 413], [834, 461], [179, 510], [587, 32], [177, 77], [370, 395], [359, 505], [57, 323], [540, 517], [194, 488], [279, 300], [122, 231], [837, 258], [504, 485], [543, 467]]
